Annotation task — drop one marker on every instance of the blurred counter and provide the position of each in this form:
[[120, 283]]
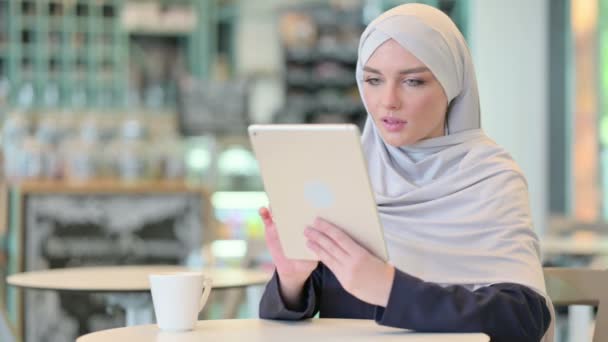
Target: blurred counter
[[53, 224]]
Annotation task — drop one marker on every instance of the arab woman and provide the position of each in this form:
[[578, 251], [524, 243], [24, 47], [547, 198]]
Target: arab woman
[[463, 255]]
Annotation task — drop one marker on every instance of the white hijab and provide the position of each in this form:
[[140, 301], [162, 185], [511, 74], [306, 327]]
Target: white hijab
[[454, 208]]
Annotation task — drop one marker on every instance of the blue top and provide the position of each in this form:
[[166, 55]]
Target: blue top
[[505, 311]]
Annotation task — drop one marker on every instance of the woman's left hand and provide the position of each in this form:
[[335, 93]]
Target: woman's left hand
[[359, 272]]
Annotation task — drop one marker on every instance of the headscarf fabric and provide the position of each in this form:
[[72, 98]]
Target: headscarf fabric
[[454, 208]]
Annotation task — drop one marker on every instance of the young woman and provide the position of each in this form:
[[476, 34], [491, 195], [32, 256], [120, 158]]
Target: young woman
[[454, 205]]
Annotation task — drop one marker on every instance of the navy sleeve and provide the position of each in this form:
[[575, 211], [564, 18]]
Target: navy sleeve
[[505, 312], [272, 305]]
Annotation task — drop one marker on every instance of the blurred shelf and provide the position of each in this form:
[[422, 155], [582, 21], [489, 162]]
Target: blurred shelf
[[51, 38], [329, 82], [102, 186], [314, 56], [320, 67], [90, 36], [30, 50], [150, 31], [28, 21], [152, 18]]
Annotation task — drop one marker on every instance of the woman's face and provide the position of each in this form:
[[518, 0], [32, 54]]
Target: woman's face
[[403, 97]]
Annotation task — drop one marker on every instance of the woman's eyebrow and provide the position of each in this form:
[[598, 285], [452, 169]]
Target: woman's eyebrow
[[402, 72]]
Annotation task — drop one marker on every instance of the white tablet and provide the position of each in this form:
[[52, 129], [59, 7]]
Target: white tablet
[[314, 171]]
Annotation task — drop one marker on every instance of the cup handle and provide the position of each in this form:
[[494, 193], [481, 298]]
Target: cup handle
[[207, 285]]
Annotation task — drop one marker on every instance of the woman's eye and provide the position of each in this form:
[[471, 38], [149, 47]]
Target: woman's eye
[[413, 82], [372, 81]]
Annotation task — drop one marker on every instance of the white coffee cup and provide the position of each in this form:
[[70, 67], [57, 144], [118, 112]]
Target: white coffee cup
[[178, 298]]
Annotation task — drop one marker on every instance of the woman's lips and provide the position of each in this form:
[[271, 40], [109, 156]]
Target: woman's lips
[[393, 124]]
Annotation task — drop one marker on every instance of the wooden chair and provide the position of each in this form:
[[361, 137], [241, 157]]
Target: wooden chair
[[581, 286]]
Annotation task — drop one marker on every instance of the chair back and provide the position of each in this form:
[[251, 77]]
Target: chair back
[[580, 286], [6, 334]]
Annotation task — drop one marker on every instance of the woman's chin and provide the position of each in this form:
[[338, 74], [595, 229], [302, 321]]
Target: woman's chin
[[398, 141]]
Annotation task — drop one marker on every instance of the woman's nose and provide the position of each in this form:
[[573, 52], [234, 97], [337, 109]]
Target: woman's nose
[[390, 98]]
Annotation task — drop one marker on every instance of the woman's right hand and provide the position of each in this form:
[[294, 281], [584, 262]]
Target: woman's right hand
[[292, 273]]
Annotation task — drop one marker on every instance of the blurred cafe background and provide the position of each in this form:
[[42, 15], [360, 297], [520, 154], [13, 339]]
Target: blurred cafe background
[[123, 131]]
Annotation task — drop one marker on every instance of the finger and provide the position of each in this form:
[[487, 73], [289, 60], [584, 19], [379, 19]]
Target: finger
[[330, 246], [269, 227], [326, 258], [264, 212], [272, 239], [266, 216], [338, 236]]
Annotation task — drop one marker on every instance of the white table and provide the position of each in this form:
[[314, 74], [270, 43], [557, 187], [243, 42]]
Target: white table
[[128, 279], [256, 330]]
